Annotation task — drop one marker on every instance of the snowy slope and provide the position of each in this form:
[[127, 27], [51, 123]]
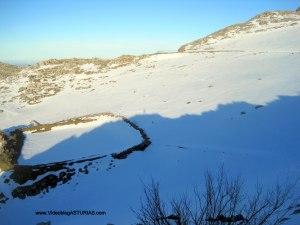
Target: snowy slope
[[200, 109], [270, 31], [114, 136]]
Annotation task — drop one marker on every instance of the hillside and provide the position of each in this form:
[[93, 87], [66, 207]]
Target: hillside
[[97, 130], [8, 70], [269, 31]]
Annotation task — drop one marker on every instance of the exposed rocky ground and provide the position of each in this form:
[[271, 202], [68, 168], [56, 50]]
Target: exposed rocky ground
[[7, 70], [10, 148], [49, 77]]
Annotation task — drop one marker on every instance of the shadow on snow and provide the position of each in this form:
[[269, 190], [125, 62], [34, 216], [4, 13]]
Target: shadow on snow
[[236, 127]]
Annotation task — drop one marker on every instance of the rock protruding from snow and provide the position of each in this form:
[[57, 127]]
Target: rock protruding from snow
[[44, 223], [34, 123], [10, 148], [3, 141], [4, 151], [264, 29]]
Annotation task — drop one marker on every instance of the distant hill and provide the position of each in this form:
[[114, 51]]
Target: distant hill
[[8, 70], [257, 33]]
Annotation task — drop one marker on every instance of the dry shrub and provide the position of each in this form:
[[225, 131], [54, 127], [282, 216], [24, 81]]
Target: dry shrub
[[222, 202], [7, 70]]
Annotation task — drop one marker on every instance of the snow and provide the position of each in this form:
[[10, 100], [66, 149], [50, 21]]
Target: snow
[[190, 105], [47, 66], [272, 37], [90, 67], [103, 136], [260, 41]]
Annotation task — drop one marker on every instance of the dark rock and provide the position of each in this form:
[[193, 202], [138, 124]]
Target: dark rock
[[44, 223], [140, 147], [258, 106], [3, 198], [10, 148]]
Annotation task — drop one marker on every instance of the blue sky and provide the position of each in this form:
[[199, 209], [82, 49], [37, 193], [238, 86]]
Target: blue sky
[[33, 30]]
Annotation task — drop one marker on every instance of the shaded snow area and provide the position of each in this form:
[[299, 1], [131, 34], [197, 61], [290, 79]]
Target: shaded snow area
[[104, 136], [240, 110], [201, 110]]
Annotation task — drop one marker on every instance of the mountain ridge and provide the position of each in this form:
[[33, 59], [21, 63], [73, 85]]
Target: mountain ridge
[[259, 23], [262, 19]]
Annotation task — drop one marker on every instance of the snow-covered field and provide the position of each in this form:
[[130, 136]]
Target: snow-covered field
[[200, 109], [104, 136]]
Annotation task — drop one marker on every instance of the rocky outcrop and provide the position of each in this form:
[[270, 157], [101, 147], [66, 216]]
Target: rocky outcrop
[[10, 148], [3, 198], [58, 173], [5, 162]]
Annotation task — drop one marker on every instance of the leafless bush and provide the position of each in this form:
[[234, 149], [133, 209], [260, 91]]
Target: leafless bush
[[222, 202]]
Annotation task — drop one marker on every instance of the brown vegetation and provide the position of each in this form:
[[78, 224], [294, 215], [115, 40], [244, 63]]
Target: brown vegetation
[[44, 78], [7, 70], [10, 148]]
